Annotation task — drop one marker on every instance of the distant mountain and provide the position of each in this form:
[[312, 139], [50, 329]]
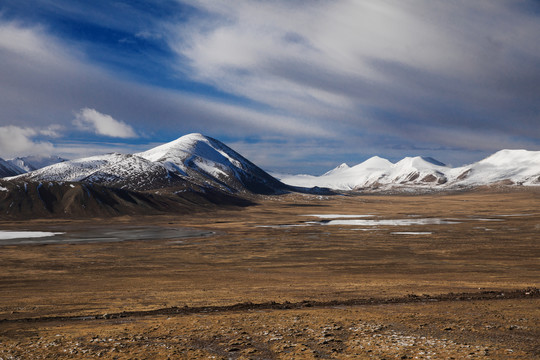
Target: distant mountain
[[507, 167], [8, 169], [376, 173], [35, 162], [194, 161], [512, 167]]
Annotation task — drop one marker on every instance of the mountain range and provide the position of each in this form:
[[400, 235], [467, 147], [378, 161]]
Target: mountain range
[[191, 173], [506, 167], [193, 159], [197, 170]]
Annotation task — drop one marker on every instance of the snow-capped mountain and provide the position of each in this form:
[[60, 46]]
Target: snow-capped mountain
[[416, 170], [519, 167], [8, 169], [115, 170], [74, 170], [198, 162], [35, 162], [192, 159], [205, 160], [511, 167], [376, 172]]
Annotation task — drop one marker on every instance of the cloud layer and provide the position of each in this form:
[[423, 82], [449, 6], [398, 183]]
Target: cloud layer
[[305, 81], [390, 67]]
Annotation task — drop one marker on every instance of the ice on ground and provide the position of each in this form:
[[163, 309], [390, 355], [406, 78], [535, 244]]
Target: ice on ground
[[99, 234], [338, 216], [510, 215], [486, 219], [3, 188], [283, 226], [412, 233], [391, 222], [8, 235]]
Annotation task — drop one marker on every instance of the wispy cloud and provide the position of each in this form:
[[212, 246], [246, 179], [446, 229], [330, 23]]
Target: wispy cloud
[[343, 78], [39, 89], [376, 65], [102, 124]]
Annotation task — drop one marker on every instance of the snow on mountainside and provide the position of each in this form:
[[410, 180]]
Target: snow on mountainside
[[376, 172], [344, 177], [9, 169], [73, 170], [519, 167], [193, 159], [205, 160], [338, 170], [196, 161], [416, 170], [133, 172], [115, 170], [31, 163]]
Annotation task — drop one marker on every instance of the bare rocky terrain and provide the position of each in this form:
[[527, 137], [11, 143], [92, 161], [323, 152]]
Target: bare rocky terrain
[[278, 281]]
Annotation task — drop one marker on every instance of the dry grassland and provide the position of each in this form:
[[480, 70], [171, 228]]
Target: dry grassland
[[47, 291]]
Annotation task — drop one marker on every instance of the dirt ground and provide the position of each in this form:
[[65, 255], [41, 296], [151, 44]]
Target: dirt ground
[[90, 300]]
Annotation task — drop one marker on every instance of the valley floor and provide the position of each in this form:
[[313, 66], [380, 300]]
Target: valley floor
[[310, 288]]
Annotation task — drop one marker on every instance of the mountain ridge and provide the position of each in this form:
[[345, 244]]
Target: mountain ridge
[[510, 167], [193, 160], [197, 162]]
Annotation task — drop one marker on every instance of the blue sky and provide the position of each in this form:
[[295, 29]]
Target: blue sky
[[295, 86]]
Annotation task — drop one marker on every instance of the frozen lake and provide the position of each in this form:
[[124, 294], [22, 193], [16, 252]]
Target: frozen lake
[[98, 234]]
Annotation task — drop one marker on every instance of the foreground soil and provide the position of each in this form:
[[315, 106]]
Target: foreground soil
[[461, 290]]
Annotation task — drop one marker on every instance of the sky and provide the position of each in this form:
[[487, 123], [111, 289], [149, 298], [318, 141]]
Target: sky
[[295, 86]]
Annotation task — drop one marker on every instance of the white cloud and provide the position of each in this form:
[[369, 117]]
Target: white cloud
[[19, 141], [102, 124]]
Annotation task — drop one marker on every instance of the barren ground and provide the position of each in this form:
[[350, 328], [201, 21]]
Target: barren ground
[[319, 291]]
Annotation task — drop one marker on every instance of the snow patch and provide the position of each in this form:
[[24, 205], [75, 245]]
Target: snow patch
[[411, 233], [391, 222], [7, 235], [338, 216]]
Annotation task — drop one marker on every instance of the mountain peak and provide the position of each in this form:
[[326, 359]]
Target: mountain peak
[[192, 146], [376, 162], [337, 169], [207, 160], [511, 156]]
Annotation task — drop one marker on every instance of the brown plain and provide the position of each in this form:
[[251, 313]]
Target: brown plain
[[54, 299]]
